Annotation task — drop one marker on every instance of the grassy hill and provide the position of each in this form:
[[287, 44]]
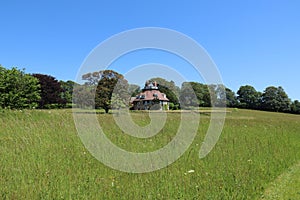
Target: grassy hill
[[41, 157]]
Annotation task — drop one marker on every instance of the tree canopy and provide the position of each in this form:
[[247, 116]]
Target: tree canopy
[[67, 90], [249, 97], [108, 89], [107, 83], [50, 91], [17, 89], [275, 99]]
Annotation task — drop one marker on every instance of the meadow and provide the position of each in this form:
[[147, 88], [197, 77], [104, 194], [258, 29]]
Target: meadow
[[256, 157]]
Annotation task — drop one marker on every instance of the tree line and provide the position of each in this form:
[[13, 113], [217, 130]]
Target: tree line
[[19, 90]]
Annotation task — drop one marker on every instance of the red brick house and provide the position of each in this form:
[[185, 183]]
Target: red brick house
[[150, 98]]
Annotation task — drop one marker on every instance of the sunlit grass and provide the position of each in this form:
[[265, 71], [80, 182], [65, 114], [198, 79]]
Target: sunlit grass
[[41, 157]]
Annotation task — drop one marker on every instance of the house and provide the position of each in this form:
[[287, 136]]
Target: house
[[150, 98]]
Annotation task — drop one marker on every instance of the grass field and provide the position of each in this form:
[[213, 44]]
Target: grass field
[[257, 157]]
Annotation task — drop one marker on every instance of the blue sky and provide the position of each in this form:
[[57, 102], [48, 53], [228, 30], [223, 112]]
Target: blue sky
[[251, 42]]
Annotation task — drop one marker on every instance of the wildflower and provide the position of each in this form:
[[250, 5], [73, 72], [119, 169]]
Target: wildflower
[[189, 172]]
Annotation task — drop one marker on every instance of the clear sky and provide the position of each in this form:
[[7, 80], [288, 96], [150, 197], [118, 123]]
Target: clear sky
[[251, 42]]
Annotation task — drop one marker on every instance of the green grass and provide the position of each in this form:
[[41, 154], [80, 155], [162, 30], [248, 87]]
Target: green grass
[[41, 157], [286, 186]]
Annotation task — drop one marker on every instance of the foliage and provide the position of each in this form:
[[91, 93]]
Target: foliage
[[20, 90], [83, 96], [67, 90], [118, 102], [108, 82], [249, 97], [275, 99], [50, 91], [218, 95], [17, 89], [134, 90], [295, 107], [92, 78], [231, 99], [208, 95], [188, 97], [202, 93], [171, 106]]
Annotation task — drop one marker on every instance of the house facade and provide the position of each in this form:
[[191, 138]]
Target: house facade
[[150, 98]]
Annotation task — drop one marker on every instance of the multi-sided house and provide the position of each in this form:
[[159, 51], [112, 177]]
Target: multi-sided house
[[150, 98]]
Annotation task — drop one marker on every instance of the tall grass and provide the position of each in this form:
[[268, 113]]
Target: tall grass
[[41, 157]]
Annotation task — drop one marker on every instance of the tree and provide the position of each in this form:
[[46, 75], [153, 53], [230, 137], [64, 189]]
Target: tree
[[83, 96], [295, 107], [231, 98], [188, 97], [249, 97], [202, 93], [17, 89], [92, 78], [134, 90], [275, 99], [50, 91], [107, 83], [67, 90], [220, 95]]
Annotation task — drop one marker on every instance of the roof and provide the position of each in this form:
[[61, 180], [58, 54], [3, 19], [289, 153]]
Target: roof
[[150, 95]]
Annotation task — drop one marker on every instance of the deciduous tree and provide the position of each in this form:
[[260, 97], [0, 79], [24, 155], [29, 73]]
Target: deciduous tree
[[295, 107], [108, 82], [67, 90], [50, 91], [249, 97], [275, 99], [17, 89]]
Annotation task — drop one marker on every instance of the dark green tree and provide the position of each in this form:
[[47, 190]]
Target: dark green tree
[[295, 107], [107, 83], [231, 98], [50, 92], [17, 89], [202, 93], [275, 99], [249, 97], [169, 93]]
